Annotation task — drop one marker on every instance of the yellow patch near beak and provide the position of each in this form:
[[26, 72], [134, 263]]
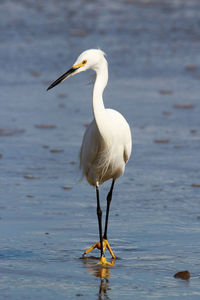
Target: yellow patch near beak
[[78, 66]]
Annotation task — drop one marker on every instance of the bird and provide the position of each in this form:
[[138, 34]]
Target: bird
[[107, 141]]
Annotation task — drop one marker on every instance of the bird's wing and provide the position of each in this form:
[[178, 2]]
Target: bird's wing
[[127, 152], [90, 147], [123, 133]]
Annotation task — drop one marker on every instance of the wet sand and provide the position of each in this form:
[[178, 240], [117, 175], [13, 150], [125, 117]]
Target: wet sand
[[47, 216]]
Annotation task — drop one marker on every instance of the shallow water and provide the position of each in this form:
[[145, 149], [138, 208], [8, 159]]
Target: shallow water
[[47, 216]]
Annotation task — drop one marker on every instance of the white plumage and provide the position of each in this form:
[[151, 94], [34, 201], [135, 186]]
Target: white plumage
[[104, 156], [106, 145]]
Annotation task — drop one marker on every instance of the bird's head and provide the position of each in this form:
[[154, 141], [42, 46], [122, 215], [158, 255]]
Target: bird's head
[[89, 59]]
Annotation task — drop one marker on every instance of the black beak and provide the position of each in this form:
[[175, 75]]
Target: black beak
[[62, 77]]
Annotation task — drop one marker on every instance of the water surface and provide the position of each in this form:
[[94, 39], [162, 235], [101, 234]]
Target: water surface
[[47, 216]]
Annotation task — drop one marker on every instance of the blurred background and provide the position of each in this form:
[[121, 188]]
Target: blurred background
[[47, 216]]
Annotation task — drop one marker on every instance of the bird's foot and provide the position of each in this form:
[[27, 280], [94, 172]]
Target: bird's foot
[[104, 262], [97, 245]]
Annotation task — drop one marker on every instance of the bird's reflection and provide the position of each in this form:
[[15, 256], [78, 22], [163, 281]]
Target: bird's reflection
[[103, 288], [102, 272]]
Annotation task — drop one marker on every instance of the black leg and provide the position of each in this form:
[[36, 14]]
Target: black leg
[[109, 198], [99, 216]]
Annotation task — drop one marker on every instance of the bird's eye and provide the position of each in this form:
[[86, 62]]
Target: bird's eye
[[84, 62]]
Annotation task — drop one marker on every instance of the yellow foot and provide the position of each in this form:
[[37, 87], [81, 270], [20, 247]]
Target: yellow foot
[[104, 262], [98, 246]]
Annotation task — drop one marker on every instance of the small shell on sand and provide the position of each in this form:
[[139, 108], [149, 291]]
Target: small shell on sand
[[184, 275]]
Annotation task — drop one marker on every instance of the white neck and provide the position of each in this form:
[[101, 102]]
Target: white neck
[[98, 105]]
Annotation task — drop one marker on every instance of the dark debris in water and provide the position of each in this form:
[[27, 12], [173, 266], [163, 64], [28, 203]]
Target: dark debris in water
[[196, 185], [165, 92], [45, 146], [61, 105], [62, 95], [179, 146], [35, 73], [184, 106], [29, 176], [193, 131], [56, 150], [67, 187], [78, 32], [10, 132], [190, 68], [45, 126], [161, 141], [167, 113]]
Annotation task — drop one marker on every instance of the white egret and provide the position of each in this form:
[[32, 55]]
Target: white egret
[[107, 143]]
